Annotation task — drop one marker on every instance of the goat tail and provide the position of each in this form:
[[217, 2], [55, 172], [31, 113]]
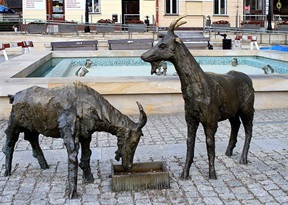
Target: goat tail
[[11, 98]]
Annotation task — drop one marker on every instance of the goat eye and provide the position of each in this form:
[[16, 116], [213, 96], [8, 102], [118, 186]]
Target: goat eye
[[162, 46], [133, 143]]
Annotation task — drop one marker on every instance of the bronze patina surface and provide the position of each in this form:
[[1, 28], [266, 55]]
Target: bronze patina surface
[[72, 112], [208, 97]]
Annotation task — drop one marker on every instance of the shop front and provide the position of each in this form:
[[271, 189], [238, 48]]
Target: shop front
[[55, 10], [120, 11]]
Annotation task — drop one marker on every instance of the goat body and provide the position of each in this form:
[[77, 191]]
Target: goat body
[[208, 97], [72, 112]]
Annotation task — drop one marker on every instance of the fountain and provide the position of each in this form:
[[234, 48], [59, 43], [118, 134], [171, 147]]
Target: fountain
[[158, 94]]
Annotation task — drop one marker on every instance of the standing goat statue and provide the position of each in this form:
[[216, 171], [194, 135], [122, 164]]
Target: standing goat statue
[[72, 112], [208, 97]]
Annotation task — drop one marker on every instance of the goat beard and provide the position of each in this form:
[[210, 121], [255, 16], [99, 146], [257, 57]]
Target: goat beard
[[118, 155], [154, 66]]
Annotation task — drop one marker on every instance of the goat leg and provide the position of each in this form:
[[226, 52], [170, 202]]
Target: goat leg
[[210, 144], [235, 125], [72, 150], [33, 138], [192, 126], [247, 122], [12, 136], [85, 159], [71, 141]]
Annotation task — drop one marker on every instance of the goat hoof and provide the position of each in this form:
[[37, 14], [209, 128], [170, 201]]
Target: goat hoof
[[45, 166], [88, 179], [212, 175], [185, 176], [73, 195], [7, 173], [228, 153], [243, 161]]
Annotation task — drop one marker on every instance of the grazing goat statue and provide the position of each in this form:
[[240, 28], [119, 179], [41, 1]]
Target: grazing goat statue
[[208, 97], [72, 112]]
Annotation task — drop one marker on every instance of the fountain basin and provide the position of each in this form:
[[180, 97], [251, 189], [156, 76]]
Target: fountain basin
[[157, 94], [134, 66], [146, 175]]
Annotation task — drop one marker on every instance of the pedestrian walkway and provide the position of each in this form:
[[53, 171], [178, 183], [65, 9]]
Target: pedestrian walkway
[[264, 180]]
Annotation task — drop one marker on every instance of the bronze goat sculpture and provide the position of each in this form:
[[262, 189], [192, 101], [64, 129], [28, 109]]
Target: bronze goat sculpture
[[72, 112], [208, 97]]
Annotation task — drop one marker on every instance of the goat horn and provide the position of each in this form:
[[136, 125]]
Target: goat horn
[[174, 23], [180, 24], [142, 118]]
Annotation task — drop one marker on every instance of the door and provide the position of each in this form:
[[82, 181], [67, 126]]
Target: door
[[257, 10], [257, 7], [130, 10], [282, 8], [55, 10]]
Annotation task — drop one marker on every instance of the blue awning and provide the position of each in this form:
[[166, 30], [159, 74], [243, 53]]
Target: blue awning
[[4, 9]]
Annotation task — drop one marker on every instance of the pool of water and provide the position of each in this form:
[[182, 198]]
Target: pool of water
[[134, 66]]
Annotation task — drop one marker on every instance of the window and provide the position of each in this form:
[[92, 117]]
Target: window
[[94, 6], [57, 9], [220, 7], [171, 7]]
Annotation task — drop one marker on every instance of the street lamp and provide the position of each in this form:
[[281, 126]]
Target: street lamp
[[269, 16], [87, 28]]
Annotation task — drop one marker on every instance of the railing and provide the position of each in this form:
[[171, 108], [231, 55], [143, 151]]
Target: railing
[[278, 17], [35, 26], [241, 31], [51, 27]]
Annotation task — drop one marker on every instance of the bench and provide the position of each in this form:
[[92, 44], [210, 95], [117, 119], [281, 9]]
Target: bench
[[74, 45], [200, 42], [239, 39], [192, 39], [130, 44], [27, 46]]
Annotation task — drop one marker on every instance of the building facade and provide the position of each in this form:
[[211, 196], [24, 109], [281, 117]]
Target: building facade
[[159, 12], [74, 10]]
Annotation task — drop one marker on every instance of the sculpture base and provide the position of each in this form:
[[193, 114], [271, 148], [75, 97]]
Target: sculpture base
[[149, 175]]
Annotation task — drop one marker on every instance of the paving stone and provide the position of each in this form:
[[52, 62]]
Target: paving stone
[[6, 198], [20, 202], [68, 202], [234, 202], [213, 200], [192, 194], [38, 202], [91, 203], [251, 202], [228, 196], [283, 199], [196, 201]]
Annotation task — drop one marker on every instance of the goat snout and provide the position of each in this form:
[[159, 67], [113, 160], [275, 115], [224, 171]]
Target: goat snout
[[143, 57], [147, 56], [129, 166]]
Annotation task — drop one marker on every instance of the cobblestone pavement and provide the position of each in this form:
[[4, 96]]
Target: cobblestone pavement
[[264, 180]]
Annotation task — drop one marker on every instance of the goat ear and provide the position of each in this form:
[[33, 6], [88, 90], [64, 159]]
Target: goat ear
[[178, 40]]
